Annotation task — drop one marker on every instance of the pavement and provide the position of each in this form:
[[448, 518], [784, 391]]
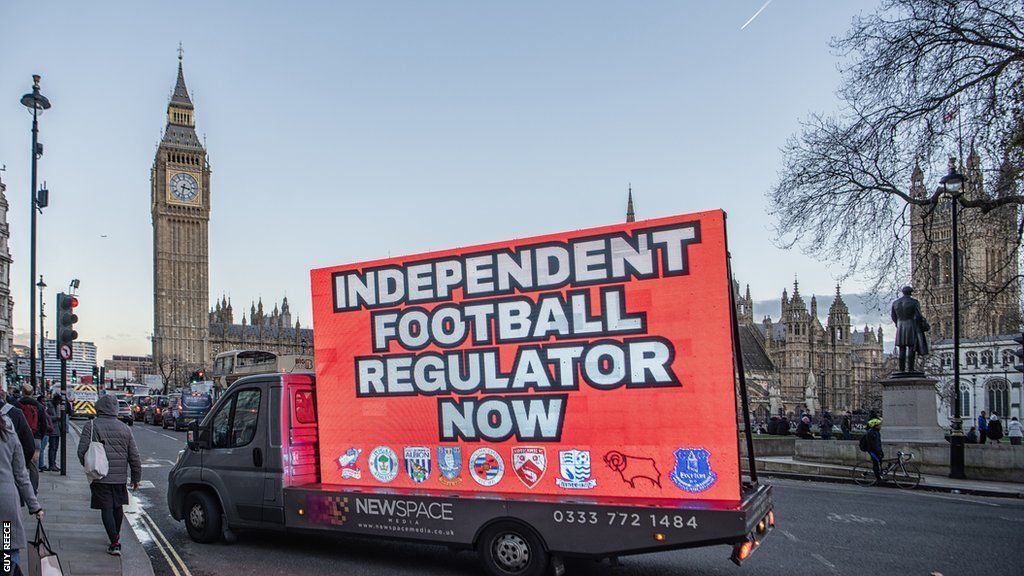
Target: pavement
[[75, 530], [822, 528], [787, 467]]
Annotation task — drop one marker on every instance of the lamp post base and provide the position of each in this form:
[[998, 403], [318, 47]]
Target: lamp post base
[[956, 449]]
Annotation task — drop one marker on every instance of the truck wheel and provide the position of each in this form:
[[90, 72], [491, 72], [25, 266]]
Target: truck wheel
[[511, 549], [202, 517]]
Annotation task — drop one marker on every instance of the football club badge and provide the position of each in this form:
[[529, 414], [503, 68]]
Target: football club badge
[[383, 464], [529, 464], [692, 472], [417, 463], [574, 466], [347, 464], [449, 462], [486, 466]]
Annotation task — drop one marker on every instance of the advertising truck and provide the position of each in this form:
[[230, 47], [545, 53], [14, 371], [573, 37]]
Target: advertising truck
[[564, 395]]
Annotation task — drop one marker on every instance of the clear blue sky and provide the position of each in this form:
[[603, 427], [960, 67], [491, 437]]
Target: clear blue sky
[[345, 131]]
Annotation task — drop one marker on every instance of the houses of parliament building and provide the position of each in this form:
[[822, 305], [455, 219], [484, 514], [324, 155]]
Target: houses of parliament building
[[186, 331]]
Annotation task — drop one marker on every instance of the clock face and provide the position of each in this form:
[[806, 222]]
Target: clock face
[[184, 186]]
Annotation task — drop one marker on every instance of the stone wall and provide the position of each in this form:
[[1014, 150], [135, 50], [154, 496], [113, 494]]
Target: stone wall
[[999, 462]]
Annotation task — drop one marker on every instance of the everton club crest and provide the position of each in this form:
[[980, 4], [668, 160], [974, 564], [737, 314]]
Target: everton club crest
[[417, 463], [529, 464], [574, 467], [449, 462], [693, 471]]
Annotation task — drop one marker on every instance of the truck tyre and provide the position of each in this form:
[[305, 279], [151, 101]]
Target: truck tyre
[[512, 549], [202, 517]]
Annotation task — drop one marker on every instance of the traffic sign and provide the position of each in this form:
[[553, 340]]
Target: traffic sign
[[65, 351]]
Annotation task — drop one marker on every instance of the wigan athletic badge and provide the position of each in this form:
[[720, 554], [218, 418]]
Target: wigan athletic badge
[[693, 470], [449, 462], [383, 464]]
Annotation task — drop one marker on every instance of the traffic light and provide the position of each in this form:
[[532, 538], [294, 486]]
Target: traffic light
[[1019, 353], [66, 318], [198, 376]]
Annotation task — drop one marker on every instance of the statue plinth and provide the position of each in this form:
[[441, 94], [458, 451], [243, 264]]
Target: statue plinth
[[909, 409]]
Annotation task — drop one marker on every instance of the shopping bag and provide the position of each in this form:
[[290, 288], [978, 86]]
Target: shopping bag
[[42, 560], [96, 465]]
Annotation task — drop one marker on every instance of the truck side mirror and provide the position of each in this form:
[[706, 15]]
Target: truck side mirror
[[196, 439]]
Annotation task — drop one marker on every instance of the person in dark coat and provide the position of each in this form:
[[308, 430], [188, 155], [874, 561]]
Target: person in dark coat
[[910, 329], [847, 426], [995, 428], [826, 426], [873, 442], [109, 494], [982, 427], [803, 429], [972, 435], [53, 409]]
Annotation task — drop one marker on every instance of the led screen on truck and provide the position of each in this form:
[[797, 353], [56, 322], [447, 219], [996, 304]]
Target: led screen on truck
[[596, 362]]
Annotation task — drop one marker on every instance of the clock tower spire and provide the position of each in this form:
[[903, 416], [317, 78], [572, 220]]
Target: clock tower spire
[[180, 206]]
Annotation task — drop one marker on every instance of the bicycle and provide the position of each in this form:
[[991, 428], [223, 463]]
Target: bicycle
[[903, 474]]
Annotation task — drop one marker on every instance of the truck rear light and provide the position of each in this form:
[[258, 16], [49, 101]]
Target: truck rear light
[[761, 526], [771, 518], [743, 550], [302, 511], [659, 536]]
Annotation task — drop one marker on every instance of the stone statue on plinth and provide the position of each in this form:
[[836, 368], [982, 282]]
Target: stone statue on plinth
[[910, 332]]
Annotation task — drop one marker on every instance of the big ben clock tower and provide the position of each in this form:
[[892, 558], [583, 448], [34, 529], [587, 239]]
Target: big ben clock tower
[[180, 203]]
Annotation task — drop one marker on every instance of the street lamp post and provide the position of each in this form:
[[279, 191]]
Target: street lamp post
[[952, 184], [42, 335], [37, 103]]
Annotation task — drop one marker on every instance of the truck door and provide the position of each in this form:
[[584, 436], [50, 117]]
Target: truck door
[[238, 451]]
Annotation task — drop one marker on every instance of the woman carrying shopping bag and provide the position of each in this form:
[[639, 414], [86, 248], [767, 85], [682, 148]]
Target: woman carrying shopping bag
[[109, 493], [15, 486]]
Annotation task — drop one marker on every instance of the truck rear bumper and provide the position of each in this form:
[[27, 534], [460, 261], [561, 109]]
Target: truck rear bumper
[[577, 527]]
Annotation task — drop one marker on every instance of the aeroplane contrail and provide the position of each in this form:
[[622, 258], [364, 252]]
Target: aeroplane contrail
[[756, 14]]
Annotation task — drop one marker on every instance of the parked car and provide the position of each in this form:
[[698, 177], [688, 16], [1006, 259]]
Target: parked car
[[139, 404], [124, 412], [186, 409], [154, 412]]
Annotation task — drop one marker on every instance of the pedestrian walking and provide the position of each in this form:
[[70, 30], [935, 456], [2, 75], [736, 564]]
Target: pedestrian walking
[[982, 427], [1014, 431], [33, 412], [15, 487], [60, 422], [871, 443], [847, 426], [47, 420], [109, 494], [22, 429], [826, 426], [995, 428]]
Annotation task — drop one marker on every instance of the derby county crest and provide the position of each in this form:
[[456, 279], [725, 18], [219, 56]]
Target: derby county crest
[[449, 462], [347, 464], [417, 463], [693, 470], [529, 464]]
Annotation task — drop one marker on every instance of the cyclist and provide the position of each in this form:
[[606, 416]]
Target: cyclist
[[872, 444]]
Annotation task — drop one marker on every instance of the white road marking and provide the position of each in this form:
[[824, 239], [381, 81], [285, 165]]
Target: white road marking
[[821, 559], [789, 535], [956, 499]]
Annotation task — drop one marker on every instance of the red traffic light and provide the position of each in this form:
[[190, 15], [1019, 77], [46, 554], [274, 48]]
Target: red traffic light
[[73, 300]]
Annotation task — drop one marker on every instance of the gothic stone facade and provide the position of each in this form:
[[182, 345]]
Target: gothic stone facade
[[990, 288], [796, 363], [6, 302], [272, 332]]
